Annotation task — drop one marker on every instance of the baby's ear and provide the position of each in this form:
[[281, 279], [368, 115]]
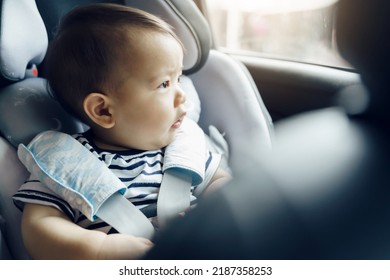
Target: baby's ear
[[97, 106]]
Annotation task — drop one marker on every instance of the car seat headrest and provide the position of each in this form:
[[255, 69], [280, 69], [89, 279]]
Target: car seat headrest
[[23, 40], [183, 15], [188, 23], [27, 109]]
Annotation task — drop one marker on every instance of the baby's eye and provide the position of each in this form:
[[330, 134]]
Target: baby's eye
[[179, 79], [164, 85]]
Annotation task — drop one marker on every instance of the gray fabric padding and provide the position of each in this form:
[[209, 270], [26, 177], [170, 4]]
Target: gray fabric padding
[[27, 109], [12, 174], [192, 104], [4, 252], [188, 23], [23, 39], [232, 104]]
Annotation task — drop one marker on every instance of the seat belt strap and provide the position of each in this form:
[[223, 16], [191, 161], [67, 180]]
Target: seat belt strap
[[174, 196], [122, 215], [184, 166]]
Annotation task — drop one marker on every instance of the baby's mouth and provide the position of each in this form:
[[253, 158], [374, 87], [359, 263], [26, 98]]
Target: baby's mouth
[[178, 123]]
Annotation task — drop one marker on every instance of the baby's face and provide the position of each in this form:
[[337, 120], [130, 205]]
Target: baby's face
[[149, 105]]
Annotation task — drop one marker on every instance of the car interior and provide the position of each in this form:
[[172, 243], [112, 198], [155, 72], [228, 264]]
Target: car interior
[[245, 97]]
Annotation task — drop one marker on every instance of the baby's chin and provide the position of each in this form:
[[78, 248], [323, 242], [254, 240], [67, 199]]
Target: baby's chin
[[159, 143], [164, 142]]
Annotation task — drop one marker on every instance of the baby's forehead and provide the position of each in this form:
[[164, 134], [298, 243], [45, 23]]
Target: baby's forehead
[[137, 42], [150, 60], [135, 33]]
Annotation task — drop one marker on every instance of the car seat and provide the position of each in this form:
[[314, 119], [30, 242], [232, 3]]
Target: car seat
[[223, 93]]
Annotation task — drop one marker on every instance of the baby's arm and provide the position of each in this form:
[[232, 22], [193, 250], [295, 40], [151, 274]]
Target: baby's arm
[[49, 234], [220, 178]]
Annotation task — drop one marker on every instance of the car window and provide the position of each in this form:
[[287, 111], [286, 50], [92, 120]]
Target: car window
[[299, 30]]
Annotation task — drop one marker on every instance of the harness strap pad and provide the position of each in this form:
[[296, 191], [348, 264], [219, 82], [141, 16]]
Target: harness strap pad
[[65, 166]]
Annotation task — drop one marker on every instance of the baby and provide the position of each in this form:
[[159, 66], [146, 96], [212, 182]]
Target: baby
[[118, 70]]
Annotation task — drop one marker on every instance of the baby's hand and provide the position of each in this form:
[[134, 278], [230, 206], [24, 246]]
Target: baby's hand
[[183, 213], [122, 246]]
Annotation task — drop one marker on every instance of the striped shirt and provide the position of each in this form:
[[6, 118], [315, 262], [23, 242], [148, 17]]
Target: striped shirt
[[140, 171]]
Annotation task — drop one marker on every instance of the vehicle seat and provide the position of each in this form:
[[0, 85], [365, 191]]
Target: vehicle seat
[[228, 98]]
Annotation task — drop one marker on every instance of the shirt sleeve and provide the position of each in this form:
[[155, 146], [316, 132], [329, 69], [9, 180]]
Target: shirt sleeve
[[33, 191], [213, 161]]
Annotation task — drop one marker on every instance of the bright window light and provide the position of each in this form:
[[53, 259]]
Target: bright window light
[[299, 30], [273, 6]]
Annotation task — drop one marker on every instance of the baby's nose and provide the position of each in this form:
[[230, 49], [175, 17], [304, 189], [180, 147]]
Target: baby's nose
[[180, 97]]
